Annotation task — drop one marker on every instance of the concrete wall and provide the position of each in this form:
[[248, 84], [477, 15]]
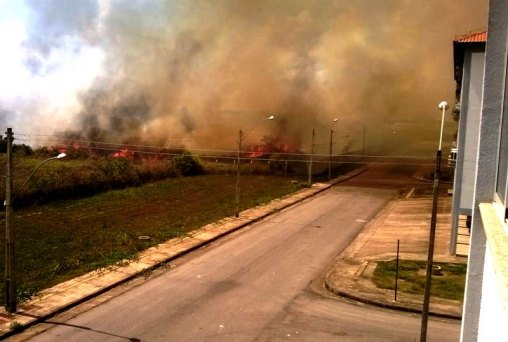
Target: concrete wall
[[492, 326], [485, 180], [469, 128], [467, 140]]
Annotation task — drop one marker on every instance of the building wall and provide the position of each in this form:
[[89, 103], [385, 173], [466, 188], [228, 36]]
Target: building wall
[[468, 133], [493, 314], [467, 140], [477, 313]]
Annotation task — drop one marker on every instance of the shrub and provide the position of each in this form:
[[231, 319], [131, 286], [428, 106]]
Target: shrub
[[152, 170], [187, 165], [278, 167], [116, 172], [17, 149]]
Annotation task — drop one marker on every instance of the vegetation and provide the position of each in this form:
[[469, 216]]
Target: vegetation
[[450, 284], [86, 211], [17, 149], [15, 325], [63, 239], [78, 177]]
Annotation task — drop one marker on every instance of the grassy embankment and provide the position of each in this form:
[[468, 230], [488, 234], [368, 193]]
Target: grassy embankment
[[88, 228], [450, 284]]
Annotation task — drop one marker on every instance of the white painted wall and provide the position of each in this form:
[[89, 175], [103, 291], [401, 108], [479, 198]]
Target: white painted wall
[[493, 316], [474, 66]]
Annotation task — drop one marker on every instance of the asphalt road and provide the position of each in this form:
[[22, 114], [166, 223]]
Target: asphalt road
[[254, 286]]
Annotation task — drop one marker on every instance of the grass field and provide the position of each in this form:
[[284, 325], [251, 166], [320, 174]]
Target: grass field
[[450, 284], [63, 239]]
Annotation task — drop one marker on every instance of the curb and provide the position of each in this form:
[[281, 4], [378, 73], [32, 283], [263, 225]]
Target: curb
[[348, 295], [363, 295]]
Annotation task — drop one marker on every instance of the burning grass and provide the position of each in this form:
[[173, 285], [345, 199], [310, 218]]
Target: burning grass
[[63, 239]]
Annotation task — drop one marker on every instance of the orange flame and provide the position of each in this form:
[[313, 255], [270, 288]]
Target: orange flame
[[123, 153]]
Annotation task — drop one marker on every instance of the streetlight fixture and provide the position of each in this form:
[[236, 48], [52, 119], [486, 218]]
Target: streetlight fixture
[[428, 275], [59, 156], [10, 281], [241, 138]]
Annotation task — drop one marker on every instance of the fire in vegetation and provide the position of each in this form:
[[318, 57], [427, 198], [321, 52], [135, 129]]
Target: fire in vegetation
[[123, 153], [272, 145], [192, 73], [84, 150]]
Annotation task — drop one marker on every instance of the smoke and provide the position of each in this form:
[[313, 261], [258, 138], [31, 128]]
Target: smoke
[[53, 21], [194, 72]]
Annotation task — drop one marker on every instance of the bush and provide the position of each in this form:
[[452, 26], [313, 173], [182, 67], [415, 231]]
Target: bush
[[187, 165], [18, 149], [152, 170], [279, 167], [117, 172]]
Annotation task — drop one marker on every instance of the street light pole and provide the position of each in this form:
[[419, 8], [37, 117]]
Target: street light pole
[[363, 141], [10, 281], [241, 137], [311, 155], [237, 192], [10, 274], [331, 150], [432, 235], [330, 156]]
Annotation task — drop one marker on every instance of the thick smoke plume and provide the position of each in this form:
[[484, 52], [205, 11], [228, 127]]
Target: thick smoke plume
[[194, 72]]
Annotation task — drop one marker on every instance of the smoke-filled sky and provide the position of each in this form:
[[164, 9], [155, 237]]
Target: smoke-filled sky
[[166, 72]]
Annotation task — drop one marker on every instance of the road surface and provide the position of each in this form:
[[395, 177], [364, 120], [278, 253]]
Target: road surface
[[253, 286]]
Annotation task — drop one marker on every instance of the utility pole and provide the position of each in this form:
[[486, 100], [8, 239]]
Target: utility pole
[[432, 234], [430, 256], [363, 143], [10, 272], [237, 199], [10, 281], [330, 156], [241, 137], [311, 155]]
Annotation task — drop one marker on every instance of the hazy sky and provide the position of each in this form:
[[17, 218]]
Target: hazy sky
[[162, 71]]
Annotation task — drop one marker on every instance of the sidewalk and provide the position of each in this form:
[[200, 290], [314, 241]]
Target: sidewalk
[[349, 277], [409, 221]]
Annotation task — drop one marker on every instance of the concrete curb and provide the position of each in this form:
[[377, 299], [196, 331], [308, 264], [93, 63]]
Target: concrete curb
[[26, 318], [348, 295], [348, 277]]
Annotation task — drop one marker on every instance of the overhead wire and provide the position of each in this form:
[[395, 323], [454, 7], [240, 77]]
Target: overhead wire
[[218, 153]]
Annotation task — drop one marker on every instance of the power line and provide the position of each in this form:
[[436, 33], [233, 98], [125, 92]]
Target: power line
[[109, 146], [257, 159]]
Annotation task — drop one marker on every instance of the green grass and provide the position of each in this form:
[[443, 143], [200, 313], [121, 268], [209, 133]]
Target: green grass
[[412, 278], [67, 223], [61, 240]]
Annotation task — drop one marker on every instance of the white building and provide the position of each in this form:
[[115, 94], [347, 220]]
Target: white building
[[485, 314], [469, 60]]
